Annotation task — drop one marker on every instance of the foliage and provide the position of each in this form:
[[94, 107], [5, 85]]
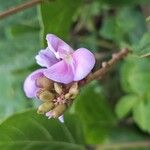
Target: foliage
[[39, 133], [115, 110], [96, 114], [56, 17]]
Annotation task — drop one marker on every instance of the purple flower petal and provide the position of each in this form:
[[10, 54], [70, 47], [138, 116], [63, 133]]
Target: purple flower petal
[[46, 58], [84, 63], [60, 72], [30, 87], [58, 46]]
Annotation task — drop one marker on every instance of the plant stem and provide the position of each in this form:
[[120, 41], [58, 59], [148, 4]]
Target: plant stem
[[19, 8]]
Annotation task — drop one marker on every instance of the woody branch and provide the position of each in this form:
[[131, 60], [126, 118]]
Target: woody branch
[[19, 8]]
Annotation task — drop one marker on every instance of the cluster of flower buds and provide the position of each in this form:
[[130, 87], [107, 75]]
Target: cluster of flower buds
[[56, 97]]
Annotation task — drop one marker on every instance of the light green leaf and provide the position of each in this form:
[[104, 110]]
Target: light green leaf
[[125, 105], [125, 73], [126, 134], [139, 77], [143, 47], [141, 115], [19, 52], [135, 75], [57, 16], [31, 131], [95, 113]]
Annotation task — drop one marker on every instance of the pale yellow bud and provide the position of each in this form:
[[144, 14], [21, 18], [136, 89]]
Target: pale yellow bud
[[58, 110], [67, 96], [46, 96], [45, 107], [74, 90], [58, 88], [45, 83], [73, 96]]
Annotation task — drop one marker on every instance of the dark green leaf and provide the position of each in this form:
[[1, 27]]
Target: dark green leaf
[[57, 16], [125, 2], [95, 113], [31, 131], [122, 27], [121, 138]]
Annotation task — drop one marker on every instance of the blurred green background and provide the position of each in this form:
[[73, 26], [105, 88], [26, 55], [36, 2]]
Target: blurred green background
[[113, 113]]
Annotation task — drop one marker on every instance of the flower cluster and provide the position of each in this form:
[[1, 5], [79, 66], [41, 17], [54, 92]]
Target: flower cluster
[[56, 82]]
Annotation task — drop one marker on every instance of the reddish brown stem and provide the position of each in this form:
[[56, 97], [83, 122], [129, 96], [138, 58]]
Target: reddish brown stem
[[19, 8]]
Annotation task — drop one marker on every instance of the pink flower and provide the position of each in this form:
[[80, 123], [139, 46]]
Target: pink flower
[[62, 64]]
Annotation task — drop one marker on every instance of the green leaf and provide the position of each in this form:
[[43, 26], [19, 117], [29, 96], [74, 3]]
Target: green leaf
[[20, 50], [126, 134], [143, 47], [95, 113], [109, 29], [12, 98], [19, 37], [121, 137], [141, 114], [139, 77], [125, 73], [125, 105], [125, 2], [135, 75], [57, 17], [31, 131], [27, 17], [117, 29], [20, 29]]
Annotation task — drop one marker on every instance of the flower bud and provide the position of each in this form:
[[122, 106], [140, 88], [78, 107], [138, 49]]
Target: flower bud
[[45, 107], [67, 96], [74, 90], [58, 110], [46, 96], [45, 83], [58, 88]]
